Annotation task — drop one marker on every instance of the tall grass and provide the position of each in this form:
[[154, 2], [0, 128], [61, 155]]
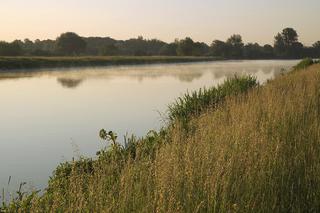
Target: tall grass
[[258, 152], [195, 103]]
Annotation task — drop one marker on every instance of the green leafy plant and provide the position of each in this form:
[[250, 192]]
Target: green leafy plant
[[108, 136]]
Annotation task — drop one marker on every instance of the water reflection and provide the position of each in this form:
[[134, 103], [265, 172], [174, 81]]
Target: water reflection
[[73, 78], [69, 82]]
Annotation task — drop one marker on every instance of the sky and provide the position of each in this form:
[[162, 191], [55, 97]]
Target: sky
[[202, 20]]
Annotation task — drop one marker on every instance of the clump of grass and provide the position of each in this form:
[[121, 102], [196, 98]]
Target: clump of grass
[[305, 63], [195, 103], [260, 152]]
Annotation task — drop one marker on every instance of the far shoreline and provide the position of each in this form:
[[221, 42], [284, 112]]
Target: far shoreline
[[30, 63]]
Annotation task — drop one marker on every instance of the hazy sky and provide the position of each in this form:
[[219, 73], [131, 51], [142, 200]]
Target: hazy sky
[[203, 20]]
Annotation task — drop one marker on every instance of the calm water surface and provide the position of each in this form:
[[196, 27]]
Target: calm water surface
[[50, 116]]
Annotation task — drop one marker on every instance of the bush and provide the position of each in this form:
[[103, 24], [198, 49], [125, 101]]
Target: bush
[[304, 64]]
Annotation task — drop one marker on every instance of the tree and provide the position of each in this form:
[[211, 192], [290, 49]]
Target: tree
[[185, 47], [110, 49], [10, 49], [169, 49], [279, 45], [220, 48], [286, 44], [252, 51], [236, 46], [289, 36], [200, 49], [154, 46], [135, 46], [97, 45], [70, 44], [28, 45], [316, 47], [268, 51]]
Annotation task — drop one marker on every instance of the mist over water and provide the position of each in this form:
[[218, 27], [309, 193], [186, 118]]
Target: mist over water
[[50, 116]]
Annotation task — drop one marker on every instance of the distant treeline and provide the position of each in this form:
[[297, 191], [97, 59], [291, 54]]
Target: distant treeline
[[286, 45]]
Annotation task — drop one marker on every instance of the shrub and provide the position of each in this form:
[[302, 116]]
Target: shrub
[[304, 64]]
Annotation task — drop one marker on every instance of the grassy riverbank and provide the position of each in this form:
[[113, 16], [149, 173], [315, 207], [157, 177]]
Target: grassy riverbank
[[256, 149], [9, 63]]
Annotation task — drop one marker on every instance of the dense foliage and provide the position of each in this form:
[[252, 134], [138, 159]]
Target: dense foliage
[[286, 45], [70, 44]]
